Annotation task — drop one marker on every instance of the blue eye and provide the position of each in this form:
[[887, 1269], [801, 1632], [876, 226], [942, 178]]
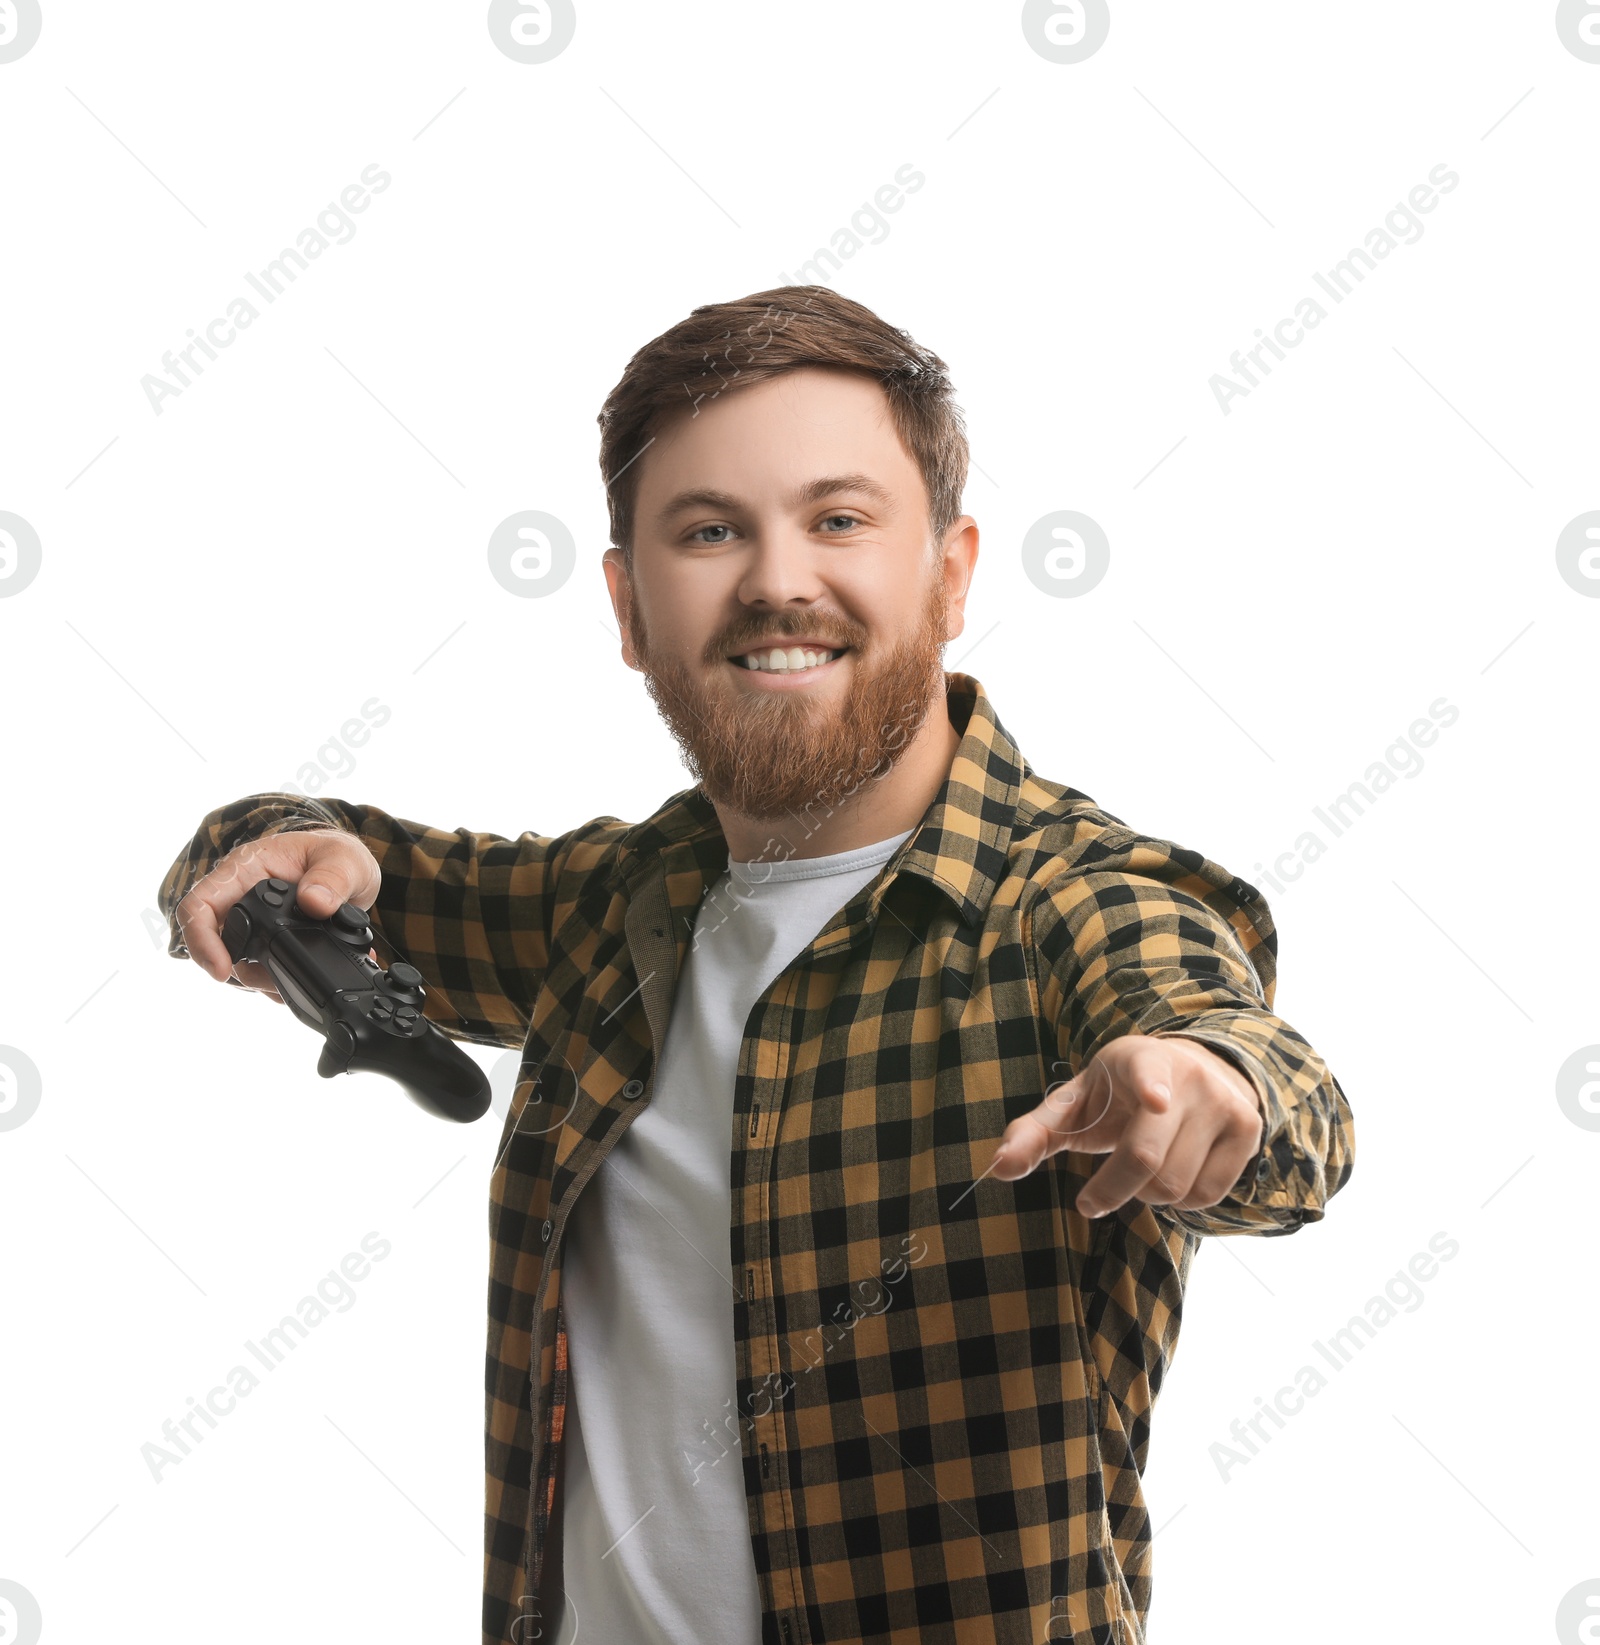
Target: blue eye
[[695, 536]]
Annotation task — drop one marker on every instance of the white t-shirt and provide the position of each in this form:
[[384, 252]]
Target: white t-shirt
[[655, 1531]]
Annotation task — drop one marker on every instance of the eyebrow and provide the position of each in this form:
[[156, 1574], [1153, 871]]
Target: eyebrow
[[812, 492]]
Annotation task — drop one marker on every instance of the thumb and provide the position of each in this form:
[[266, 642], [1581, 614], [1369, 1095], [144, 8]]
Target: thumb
[[318, 897]]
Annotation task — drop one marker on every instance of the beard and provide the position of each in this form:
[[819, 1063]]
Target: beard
[[766, 755]]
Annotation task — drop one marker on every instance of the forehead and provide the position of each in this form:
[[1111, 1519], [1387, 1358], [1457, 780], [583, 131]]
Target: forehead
[[773, 440]]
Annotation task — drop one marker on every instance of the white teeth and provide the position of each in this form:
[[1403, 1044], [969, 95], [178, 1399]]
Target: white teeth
[[781, 661]]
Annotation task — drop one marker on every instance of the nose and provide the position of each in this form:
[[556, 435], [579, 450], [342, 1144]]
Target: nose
[[780, 570]]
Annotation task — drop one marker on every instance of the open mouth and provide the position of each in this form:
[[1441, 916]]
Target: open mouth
[[792, 659]]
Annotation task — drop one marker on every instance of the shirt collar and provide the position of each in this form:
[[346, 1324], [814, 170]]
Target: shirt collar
[[960, 845]]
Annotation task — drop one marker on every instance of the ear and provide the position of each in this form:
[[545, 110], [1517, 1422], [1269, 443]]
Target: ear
[[619, 584], [959, 557]]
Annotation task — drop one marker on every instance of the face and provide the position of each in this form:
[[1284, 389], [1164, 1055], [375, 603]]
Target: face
[[786, 527]]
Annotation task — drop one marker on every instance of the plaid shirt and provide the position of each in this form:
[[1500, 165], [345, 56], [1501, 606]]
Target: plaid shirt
[[944, 1385]]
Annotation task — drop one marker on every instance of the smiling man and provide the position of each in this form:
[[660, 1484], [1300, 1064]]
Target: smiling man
[[876, 1092]]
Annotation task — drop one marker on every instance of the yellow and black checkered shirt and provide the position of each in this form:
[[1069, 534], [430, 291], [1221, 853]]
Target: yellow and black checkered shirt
[[944, 1385]]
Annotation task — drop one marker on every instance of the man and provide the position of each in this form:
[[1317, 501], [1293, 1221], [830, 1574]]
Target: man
[[876, 1091]]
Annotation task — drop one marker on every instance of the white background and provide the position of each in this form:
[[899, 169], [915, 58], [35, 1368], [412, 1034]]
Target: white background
[[1291, 584]]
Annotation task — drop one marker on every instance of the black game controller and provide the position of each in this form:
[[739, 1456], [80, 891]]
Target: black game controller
[[371, 1018]]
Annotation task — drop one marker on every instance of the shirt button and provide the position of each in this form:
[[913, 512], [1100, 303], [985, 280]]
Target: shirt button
[[544, 1233], [633, 1090], [1264, 1169]]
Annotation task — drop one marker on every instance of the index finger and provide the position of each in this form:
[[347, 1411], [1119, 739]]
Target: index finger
[[202, 911], [202, 933]]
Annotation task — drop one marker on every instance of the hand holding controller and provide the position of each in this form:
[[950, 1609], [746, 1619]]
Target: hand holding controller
[[371, 1019]]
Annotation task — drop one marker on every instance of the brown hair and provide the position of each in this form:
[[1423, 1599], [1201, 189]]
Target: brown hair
[[726, 345]]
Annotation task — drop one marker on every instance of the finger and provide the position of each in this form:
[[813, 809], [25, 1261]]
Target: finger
[[334, 874], [1138, 1160], [1134, 1069], [1145, 1071], [1057, 1123], [1186, 1158], [1025, 1144], [320, 897], [197, 921], [257, 977], [205, 907], [1224, 1164]]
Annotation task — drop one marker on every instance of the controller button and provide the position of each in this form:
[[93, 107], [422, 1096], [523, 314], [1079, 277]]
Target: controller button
[[382, 1012], [340, 1040], [278, 885], [403, 975], [273, 899], [406, 1013], [349, 918]]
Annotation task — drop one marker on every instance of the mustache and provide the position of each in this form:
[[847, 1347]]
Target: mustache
[[788, 626]]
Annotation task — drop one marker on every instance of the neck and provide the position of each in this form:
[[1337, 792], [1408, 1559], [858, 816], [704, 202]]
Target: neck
[[882, 807]]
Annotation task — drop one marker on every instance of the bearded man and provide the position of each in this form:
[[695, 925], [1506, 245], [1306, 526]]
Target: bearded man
[[876, 1091]]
